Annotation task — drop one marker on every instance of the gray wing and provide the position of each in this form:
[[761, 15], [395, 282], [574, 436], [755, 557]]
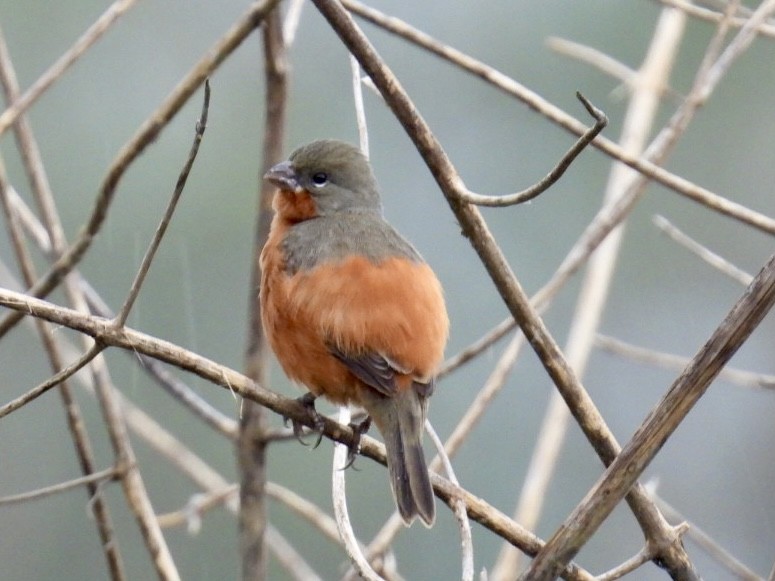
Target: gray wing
[[372, 369], [378, 372]]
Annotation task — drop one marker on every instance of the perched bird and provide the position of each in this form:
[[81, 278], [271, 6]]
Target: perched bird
[[350, 308]]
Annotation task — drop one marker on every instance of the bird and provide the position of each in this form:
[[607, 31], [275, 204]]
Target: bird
[[351, 310]]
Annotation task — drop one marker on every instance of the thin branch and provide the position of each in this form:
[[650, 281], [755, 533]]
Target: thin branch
[[635, 562], [53, 381], [619, 477], [131, 479], [29, 221], [93, 478], [360, 111], [716, 261], [466, 542], [92, 35], [145, 265], [676, 362], [764, 29], [477, 347], [292, 20], [144, 136], [198, 504], [339, 497], [598, 59]]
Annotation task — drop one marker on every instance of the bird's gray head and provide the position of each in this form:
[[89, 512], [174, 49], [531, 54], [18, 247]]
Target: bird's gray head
[[335, 174]]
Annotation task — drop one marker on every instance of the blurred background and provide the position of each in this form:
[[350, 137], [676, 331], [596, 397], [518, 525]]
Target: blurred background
[[717, 469]]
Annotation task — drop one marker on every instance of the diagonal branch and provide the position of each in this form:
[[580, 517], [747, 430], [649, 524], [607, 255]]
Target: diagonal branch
[[660, 424], [150, 253]]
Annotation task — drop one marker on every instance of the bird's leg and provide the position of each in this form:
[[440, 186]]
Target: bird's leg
[[359, 429], [308, 401]]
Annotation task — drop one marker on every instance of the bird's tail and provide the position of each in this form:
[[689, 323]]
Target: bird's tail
[[401, 418]]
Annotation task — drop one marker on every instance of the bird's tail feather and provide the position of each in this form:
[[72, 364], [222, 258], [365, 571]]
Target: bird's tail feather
[[401, 418]]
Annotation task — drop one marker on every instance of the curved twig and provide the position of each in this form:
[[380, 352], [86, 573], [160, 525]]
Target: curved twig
[[553, 176]]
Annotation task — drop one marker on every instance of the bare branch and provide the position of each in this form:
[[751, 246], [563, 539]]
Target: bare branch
[[466, 542], [630, 565], [596, 58], [676, 362], [339, 496], [53, 381], [360, 111], [93, 478], [474, 228], [702, 252], [191, 514], [765, 29], [251, 445], [51, 237], [145, 265], [653, 74]]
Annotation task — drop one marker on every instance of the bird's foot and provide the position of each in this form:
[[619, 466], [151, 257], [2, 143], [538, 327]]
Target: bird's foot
[[308, 401], [359, 428]]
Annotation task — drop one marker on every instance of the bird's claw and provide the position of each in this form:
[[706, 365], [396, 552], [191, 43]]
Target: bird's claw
[[308, 401], [358, 429]]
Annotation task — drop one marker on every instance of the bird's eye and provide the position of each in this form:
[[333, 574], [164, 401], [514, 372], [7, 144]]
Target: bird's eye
[[320, 178]]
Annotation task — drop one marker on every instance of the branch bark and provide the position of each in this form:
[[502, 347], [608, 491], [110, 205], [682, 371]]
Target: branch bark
[[660, 424]]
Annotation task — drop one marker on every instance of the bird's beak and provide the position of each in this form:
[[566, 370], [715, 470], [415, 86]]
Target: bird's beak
[[284, 177]]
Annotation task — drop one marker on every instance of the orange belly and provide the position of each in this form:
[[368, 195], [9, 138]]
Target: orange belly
[[394, 308]]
